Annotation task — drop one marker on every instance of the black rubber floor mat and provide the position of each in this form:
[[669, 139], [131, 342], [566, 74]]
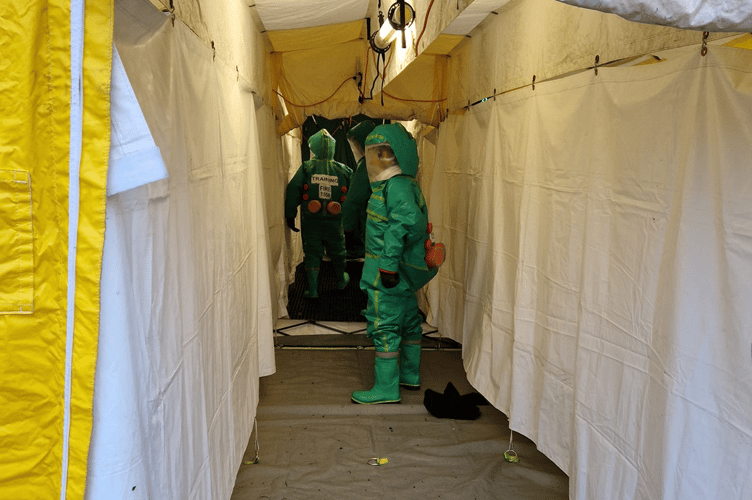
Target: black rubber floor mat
[[332, 304], [348, 340]]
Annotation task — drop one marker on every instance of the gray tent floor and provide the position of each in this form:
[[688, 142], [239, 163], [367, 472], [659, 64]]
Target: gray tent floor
[[315, 443]]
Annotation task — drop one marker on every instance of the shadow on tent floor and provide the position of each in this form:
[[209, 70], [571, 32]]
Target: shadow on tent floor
[[314, 443]]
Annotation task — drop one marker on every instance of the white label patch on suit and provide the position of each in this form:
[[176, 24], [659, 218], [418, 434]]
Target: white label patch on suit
[[325, 192], [325, 180]]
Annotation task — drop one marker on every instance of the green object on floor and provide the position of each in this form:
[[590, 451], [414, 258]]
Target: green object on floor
[[410, 364], [343, 280], [386, 383], [313, 283]]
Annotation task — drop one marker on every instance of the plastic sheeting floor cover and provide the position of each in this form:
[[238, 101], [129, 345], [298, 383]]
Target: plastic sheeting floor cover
[[314, 443]]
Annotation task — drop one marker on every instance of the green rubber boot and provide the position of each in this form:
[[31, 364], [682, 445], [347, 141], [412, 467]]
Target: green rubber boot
[[410, 365], [313, 283], [386, 383], [342, 283], [342, 277]]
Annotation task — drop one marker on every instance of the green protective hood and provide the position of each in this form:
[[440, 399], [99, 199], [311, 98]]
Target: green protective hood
[[322, 145], [402, 143], [360, 131]]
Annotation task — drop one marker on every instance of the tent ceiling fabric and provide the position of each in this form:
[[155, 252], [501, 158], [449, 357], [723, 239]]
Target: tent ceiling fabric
[[473, 15], [296, 14], [316, 36], [443, 44], [707, 15], [301, 31]]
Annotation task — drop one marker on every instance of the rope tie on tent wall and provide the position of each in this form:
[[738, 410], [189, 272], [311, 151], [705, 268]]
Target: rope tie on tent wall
[[598, 64], [425, 23], [510, 455], [256, 458], [413, 100]]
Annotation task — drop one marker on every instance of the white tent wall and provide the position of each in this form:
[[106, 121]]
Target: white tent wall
[[599, 237], [190, 262], [548, 39]]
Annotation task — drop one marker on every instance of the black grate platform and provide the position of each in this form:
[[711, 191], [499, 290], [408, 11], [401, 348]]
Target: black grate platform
[[350, 341], [332, 304]]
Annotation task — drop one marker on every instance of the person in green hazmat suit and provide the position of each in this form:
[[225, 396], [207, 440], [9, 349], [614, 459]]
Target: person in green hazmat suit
[[395, 266], [354, 211], [320, 185]]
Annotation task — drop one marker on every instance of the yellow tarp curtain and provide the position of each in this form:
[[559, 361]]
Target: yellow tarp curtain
[[38, 411]]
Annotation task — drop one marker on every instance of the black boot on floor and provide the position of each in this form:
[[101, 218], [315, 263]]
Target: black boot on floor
[[451, 404]]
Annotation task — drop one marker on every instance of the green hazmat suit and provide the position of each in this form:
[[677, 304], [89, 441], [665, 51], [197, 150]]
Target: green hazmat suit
[[395, 266], [320, 187], [354, 211]]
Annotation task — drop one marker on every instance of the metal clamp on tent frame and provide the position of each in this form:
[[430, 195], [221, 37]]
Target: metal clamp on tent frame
[[381, 39], [171, 11], [402, 22]]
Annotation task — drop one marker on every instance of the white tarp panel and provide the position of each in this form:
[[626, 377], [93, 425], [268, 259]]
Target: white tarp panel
[[472, 16], [294, 14], [187, 303], [600, 254], [134, 158], [705, 15]]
